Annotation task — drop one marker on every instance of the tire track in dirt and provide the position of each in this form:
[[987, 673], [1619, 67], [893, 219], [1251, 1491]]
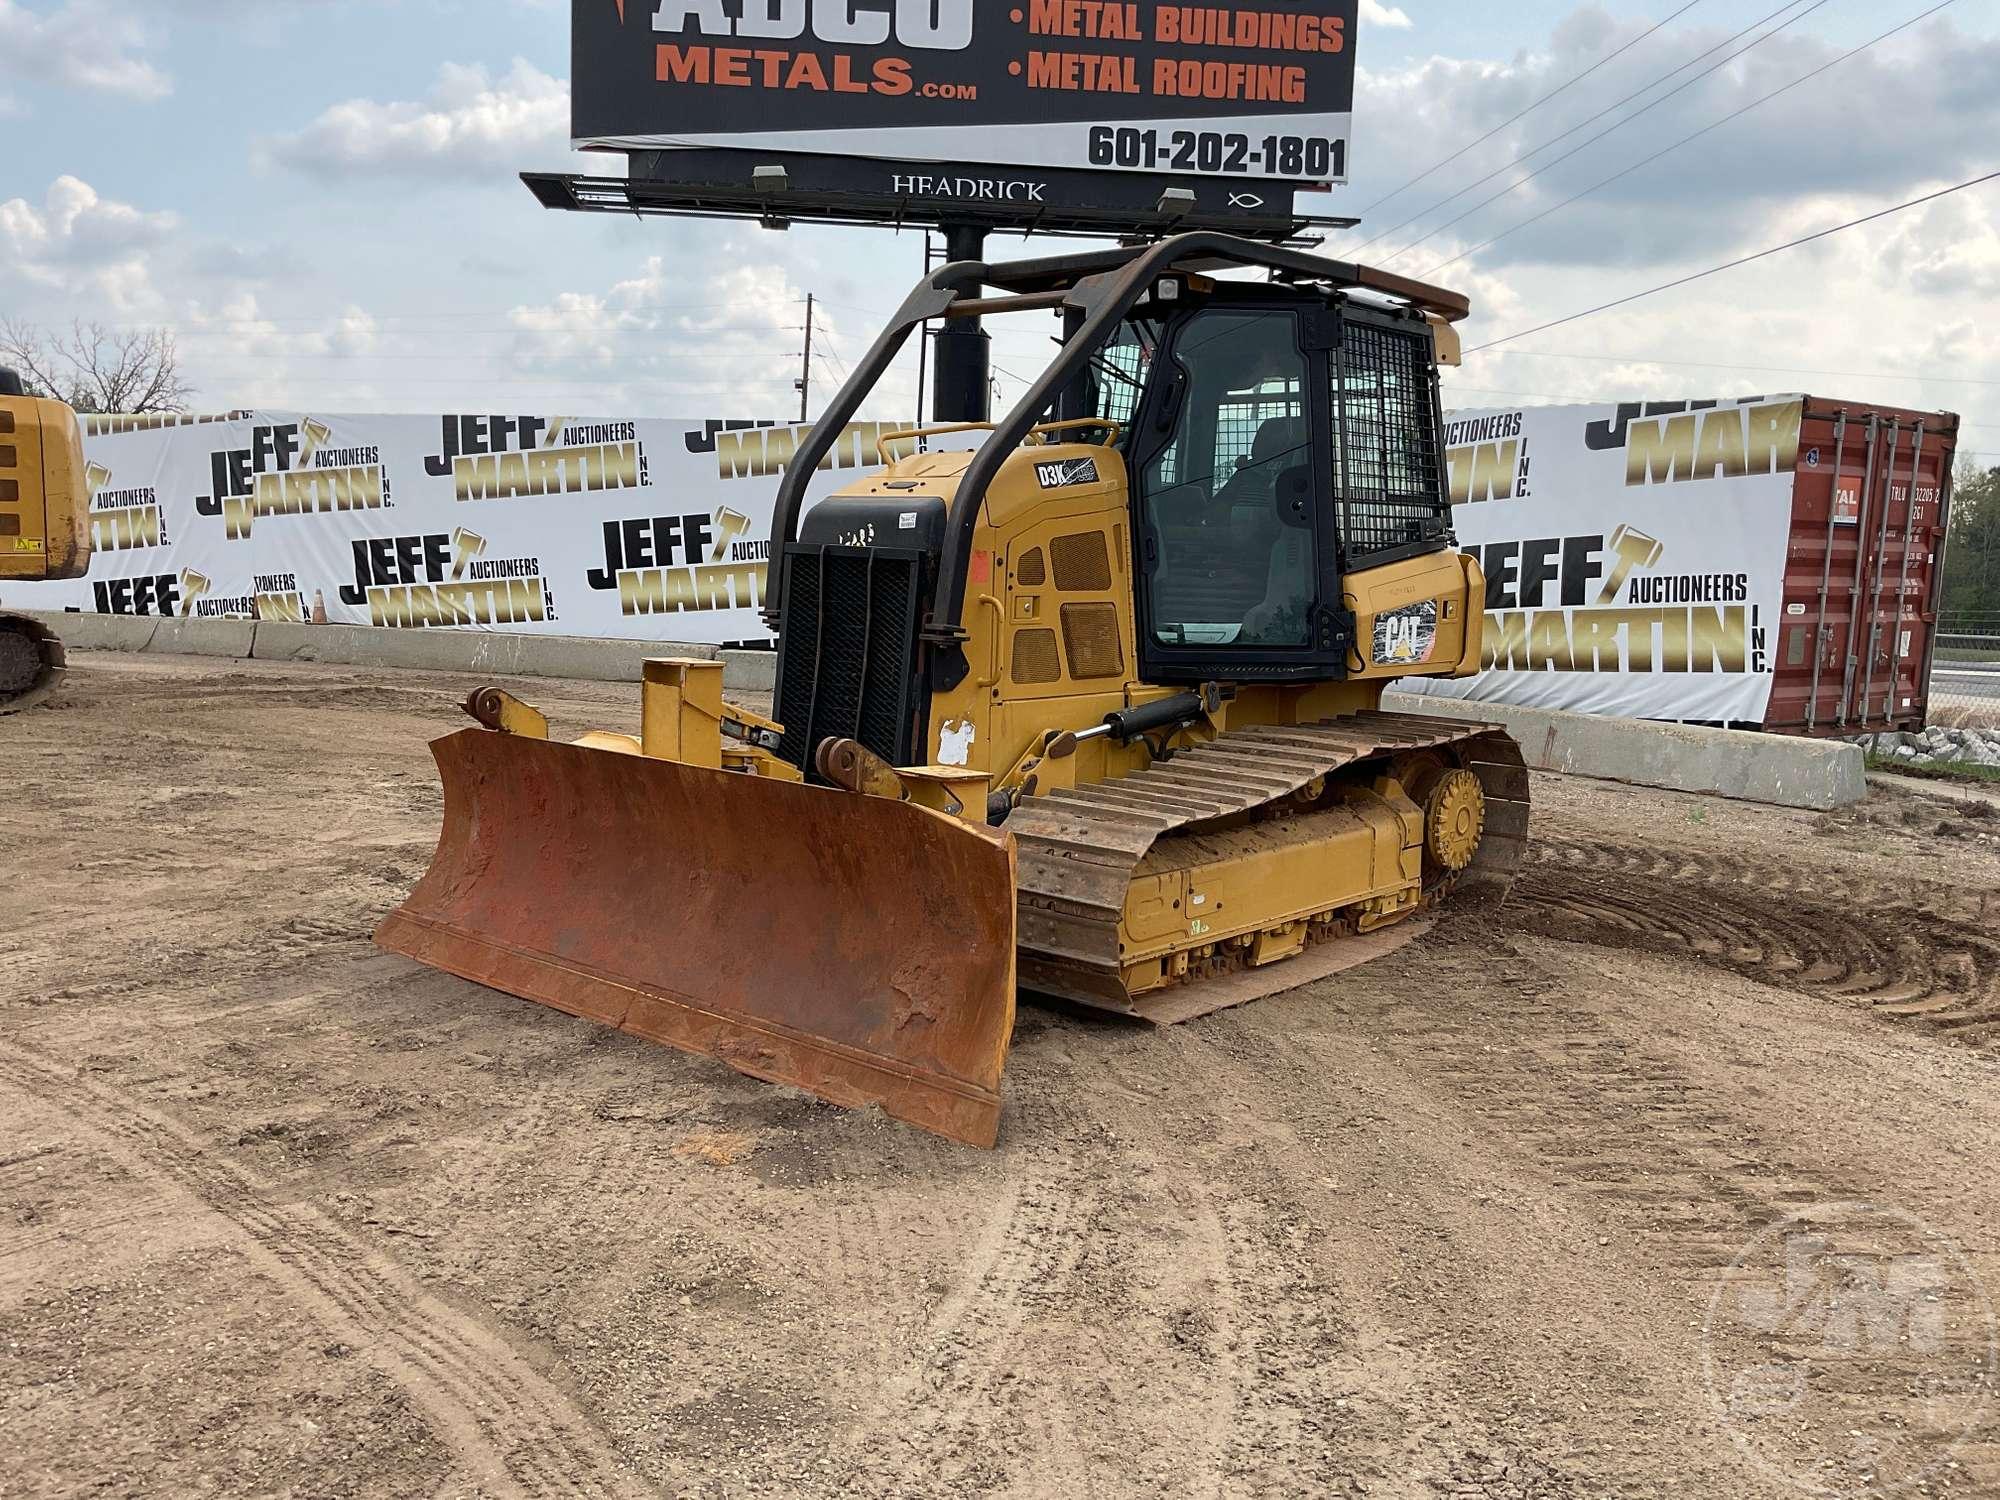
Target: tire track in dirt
[[1281, 1357], [988, 1388], [1574, 1095], [1931, 966], [1365, 1375], [1291, 1355], [960, 1416], [512, 1429]]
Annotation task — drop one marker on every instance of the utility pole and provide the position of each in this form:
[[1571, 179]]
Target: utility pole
[[804, 382]]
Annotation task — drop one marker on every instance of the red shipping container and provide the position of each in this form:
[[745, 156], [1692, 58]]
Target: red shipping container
[[1871, 504]]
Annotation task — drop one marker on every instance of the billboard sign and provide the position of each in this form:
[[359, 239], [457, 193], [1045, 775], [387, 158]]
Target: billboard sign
[[1130, 86]]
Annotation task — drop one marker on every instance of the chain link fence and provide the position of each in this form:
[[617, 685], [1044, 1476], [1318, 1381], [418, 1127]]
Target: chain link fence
[[1962, 736], [1965, 672]]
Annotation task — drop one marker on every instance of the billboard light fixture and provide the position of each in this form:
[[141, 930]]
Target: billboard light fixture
[[770, 179], [1177, 202]]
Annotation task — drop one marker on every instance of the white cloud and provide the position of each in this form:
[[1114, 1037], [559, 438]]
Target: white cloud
[[81, 44], [1375, 13], [1931, 96], [470, 121], [665, 341], [1856, 317], [78, 241], [1888, 312], [1951, 249], [77, 255]]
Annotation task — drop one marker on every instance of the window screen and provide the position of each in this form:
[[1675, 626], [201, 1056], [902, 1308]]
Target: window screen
[[1386, 457], [1118, 376]]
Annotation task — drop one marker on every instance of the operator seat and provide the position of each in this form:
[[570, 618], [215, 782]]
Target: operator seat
[[1282, 522]]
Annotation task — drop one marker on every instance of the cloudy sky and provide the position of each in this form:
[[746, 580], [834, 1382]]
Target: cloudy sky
[[319, 197]]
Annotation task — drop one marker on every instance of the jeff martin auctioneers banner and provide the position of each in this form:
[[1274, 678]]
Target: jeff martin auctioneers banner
[[551, 524], [1634, 556]]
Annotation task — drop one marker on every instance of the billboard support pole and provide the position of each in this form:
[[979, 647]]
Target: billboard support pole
[[963, 391]]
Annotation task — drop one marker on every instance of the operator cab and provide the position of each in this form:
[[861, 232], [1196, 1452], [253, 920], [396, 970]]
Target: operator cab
[[1278, 438]]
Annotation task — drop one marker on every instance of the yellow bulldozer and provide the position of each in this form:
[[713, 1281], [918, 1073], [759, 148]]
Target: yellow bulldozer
[[1092, 709], [44, 531]]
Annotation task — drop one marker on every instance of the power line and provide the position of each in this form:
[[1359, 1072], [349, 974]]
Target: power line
[[833, 351], [1709, 364], [1616, 125], [882, 315], [328, 329], [216, 325], [1599, 400], [286, 357], [1501, 390], [1739, 261], [348, 381], [1523, 114], [1591, 120], [1648, 161]]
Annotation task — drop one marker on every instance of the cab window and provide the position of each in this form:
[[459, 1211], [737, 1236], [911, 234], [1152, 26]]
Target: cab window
[[1228, 498]]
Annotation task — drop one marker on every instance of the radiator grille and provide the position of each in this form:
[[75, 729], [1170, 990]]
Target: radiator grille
[[1035, 657], [1034, 571], [1090, 632], [1083, 563], [847, 654], [1386, 457]]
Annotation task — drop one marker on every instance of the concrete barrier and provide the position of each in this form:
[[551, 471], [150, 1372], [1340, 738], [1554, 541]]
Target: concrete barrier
[[1771, 768], [750, 671], [95, 632], [174, 637], [1774, 768], [489, 653]]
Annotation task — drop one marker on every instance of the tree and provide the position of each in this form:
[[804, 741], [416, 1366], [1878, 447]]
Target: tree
[[98, 370], [1972, 559]]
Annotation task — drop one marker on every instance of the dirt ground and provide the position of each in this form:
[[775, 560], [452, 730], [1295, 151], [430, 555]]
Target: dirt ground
[[284, 1215]]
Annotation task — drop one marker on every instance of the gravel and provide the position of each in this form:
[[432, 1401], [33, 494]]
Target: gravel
[[1937, 746]]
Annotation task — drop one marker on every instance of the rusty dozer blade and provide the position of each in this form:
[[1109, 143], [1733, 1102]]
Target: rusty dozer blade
[[856, 947]]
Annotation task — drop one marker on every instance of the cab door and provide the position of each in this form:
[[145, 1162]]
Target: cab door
[[1231, 455]]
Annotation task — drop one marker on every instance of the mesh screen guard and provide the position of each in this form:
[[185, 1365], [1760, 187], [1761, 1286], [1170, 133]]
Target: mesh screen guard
[[1387, 461]]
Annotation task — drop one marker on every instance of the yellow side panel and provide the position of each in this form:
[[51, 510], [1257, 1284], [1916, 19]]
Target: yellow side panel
[[23, 512], [44, 495], [1447, 581], [65, 482]]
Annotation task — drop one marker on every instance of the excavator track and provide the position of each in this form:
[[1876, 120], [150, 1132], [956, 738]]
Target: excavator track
[[32, 663], [1080, 850]]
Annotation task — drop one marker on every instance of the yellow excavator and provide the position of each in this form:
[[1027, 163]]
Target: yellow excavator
[[44, 531], [1092, 709]]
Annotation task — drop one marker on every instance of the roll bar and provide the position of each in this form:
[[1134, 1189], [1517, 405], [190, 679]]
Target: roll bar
[[1100, 287]]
